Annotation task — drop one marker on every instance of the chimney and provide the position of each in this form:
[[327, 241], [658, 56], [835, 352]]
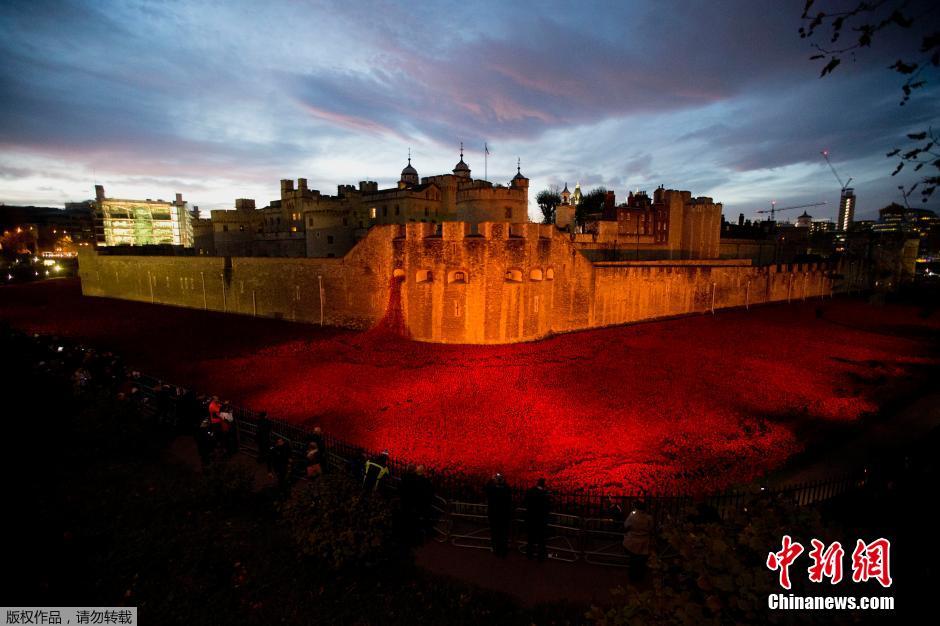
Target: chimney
[[179, 198], [99, 192], [609, 202], [302, 184]]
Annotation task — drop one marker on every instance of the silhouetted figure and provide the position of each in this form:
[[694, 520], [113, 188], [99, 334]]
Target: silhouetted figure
[[375, 470], [317, 437], [228, 429], [205, 442], [356, 465], [637, 539], [280, 462], [188, 411], [417, 497], [312, 459], [538, 506], [263, 437], [499, 512]]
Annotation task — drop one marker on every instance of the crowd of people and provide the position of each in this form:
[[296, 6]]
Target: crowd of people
[[218, 436]]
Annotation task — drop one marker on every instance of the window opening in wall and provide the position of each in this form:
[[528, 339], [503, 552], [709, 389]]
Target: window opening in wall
[[535, 274], [550, 274], [514, 276], [424, 276]]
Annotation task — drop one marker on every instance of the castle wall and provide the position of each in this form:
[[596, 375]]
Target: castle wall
[[490, 283], [349, 292]]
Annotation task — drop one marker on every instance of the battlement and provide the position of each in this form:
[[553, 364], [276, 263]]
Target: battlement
[[457, 231], [490, 193]]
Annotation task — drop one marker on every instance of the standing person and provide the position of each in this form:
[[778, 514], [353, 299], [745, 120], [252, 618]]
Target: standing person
[[375, 470], [263, 437], [637, 539], [229, 432], [538, 506], [205, 442], [188, 411], [317, 437], [215, 407], [279, 461], [499, 512], [416, 494], [312, 458]]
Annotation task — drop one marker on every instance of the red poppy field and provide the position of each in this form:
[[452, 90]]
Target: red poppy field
[[694, 403]]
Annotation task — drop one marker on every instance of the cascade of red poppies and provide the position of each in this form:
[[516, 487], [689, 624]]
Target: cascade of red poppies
[[393, 322]]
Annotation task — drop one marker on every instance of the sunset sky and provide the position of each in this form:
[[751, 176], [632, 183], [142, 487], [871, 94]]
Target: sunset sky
[[221, 100]]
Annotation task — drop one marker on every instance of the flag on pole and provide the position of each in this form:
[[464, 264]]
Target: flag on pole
[[486, 150]]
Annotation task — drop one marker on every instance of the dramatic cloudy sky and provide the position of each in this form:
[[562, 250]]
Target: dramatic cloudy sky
[[220, 100]]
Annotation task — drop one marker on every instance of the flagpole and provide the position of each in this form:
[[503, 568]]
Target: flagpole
[[486, 154]]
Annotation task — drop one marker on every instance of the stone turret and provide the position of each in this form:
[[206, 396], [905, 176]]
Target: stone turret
[[409, 175]]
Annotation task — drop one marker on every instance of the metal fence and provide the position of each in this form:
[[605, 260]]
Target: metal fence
[[584, 526], [456, 487]]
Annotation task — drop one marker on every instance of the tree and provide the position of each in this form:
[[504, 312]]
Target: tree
[[547, 200], [710, 572], [871, 18], [591, 202]]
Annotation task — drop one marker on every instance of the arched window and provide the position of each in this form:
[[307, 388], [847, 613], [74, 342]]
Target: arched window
[[458, 276], [398, 273], [535, 274], [424, 276], [550, 274], [513, 276]]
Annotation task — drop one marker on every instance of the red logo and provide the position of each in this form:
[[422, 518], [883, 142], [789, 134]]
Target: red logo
[[869, 561]]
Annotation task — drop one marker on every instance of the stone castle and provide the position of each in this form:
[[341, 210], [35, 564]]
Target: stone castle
[[450, 283], [305, 222], [456, 261]]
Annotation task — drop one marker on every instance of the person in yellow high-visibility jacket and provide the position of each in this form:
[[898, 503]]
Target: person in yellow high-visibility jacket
[[376, 469]]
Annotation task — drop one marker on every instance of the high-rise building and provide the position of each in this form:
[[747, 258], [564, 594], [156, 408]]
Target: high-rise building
[[846, 209], [141, 222]]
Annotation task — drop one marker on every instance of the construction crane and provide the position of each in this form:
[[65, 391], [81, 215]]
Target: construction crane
[[773, 208], [845, 186]]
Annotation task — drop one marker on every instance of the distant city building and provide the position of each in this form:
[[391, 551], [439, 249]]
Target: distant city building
[[48, 231], [120, 222], [846, 209], [923, 224], [822, 226], [804, 221]]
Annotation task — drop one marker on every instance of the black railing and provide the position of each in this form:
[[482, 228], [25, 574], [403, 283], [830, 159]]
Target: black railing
[[454, 486]]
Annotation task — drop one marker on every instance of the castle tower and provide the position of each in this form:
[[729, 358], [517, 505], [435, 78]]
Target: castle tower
[[462, 170], [409, 175], [564, 212]]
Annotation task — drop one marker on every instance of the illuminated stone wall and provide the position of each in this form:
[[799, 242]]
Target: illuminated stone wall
[[487, 283]]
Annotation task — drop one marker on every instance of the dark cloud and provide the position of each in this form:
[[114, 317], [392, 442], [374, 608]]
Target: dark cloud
[[693, 95]]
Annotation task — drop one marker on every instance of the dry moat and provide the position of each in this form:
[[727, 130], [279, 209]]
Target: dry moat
[[700, 402]]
